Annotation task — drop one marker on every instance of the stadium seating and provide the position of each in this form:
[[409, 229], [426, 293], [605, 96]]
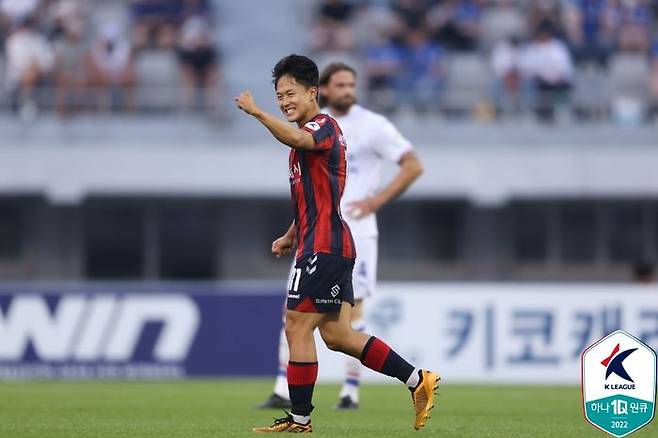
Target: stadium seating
[[468, 82], [157, 78], [591, 93], [629, 77]]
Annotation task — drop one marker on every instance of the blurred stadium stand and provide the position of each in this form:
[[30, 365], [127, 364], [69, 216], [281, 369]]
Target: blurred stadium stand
[[161, 189], [458, 49]]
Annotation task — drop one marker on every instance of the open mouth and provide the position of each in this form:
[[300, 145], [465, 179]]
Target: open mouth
[[289, 111]]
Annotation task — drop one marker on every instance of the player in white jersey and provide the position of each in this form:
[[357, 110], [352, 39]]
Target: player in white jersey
[[371, 140]]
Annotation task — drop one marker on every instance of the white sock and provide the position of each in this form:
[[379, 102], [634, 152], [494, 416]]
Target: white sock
[[281, 384], [414, 378], [301, 419], [353, 370]]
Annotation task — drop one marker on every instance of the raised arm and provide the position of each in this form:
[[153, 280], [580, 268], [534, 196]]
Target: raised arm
[[284, 132]]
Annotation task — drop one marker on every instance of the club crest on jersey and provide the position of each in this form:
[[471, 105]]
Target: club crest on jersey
[[313, 126]]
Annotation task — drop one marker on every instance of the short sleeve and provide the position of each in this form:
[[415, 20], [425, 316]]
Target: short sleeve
[[323, 132], [389, 143]]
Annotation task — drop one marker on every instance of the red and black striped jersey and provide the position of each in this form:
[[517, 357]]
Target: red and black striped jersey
[[317, 181]]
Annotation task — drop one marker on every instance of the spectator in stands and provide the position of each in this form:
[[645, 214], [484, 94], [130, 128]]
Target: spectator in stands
[[590, 29], [547, 64], [70, 74], [546, 12], [332, 31], [155, 22], [422, 76], [17, 11], [199, 63], [383, 63], [29, 62], [13, 12], [456, 24], [411, 12], [64, 15], [506, 63], [111, 68], [634, 20]]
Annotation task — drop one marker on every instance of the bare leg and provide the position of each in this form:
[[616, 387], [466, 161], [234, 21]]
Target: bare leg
[[303, 365], [337, 332], [339, 335]]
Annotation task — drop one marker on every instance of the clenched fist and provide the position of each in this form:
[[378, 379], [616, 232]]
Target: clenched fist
[[283, 246], [247, 103]]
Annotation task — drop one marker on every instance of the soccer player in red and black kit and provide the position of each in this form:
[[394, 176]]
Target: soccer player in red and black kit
[[320, 289]]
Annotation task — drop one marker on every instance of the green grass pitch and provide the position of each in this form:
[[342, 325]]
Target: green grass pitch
[[223, 408]]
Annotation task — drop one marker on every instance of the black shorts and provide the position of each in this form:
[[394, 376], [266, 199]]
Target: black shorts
[[321, 283]]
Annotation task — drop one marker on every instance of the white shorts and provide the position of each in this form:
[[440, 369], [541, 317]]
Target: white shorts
[[364, 276]]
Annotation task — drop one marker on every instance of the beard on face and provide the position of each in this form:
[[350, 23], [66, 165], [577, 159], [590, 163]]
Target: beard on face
[[343, 104]]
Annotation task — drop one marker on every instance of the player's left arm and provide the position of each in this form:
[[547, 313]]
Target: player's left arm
[[285, 244], [284, 132], [410, 170]]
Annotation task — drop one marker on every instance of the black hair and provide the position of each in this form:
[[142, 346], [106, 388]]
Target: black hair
[[301, 68], [328, 72]]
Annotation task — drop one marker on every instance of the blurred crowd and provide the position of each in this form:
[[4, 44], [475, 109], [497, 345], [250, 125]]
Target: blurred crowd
[[486, 58], [89, 55], [516, 55]]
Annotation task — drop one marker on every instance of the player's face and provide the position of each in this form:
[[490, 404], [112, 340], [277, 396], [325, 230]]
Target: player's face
[[295, 100], [340, 92]]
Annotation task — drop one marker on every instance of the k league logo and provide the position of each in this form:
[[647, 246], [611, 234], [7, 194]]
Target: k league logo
[[615, 363], [619, 383]]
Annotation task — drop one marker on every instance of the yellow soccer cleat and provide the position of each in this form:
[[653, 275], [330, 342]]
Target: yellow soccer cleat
[[285, 425], [423, 397]]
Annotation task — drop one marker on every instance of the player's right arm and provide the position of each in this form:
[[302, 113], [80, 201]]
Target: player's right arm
[[284, 244], [284, 132]]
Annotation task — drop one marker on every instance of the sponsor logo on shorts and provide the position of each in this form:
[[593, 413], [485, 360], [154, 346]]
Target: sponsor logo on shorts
[[335, 290], [294, 296], [326, 301]]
